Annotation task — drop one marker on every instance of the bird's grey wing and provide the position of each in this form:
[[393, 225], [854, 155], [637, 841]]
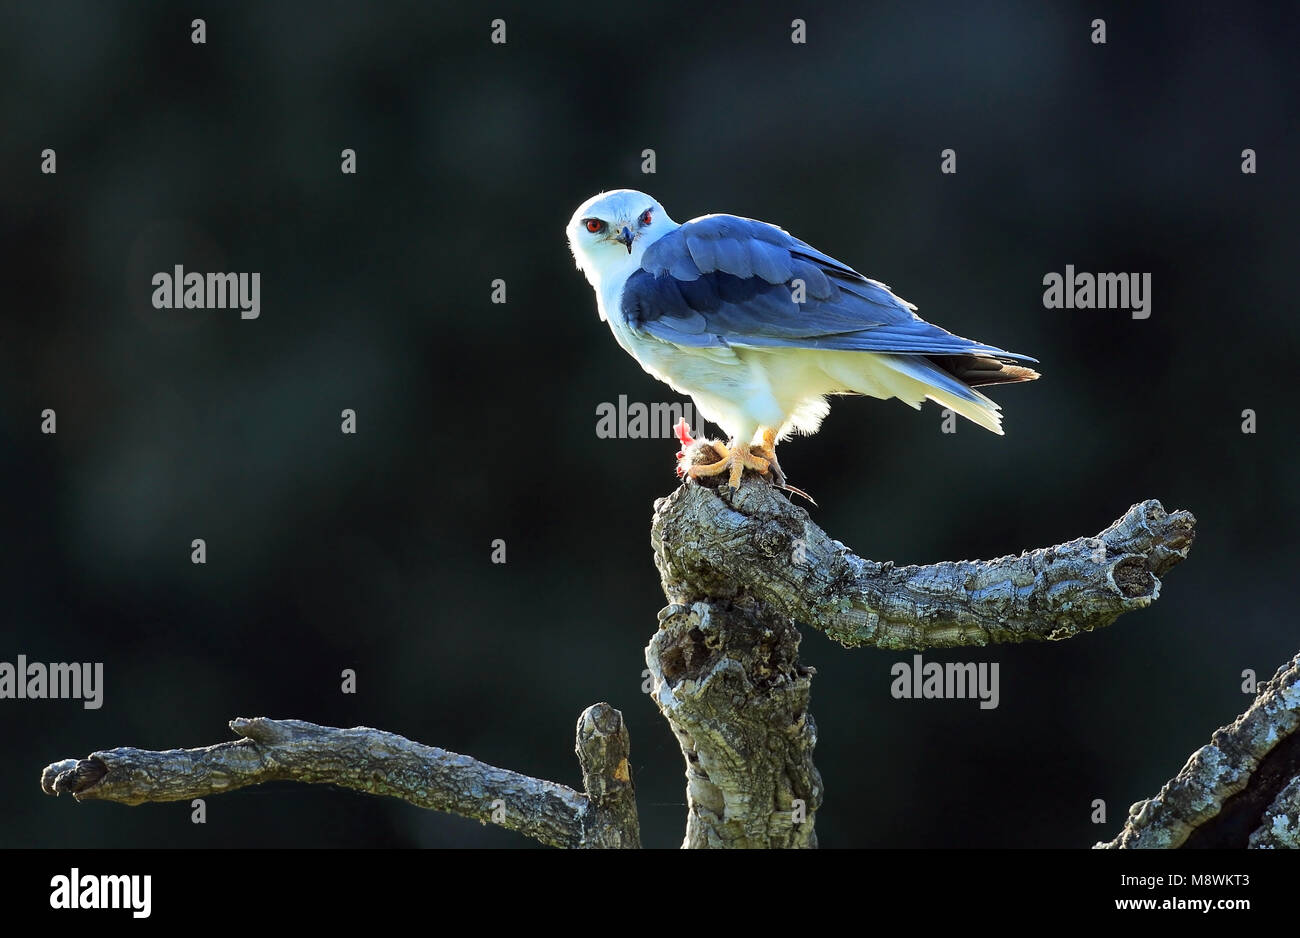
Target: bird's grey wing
[[722, 280]]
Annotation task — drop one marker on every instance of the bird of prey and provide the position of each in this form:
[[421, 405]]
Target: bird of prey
[[759, 327]]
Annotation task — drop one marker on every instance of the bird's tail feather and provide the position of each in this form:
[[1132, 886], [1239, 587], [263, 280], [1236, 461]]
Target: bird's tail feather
[[912, 379], [981, 370], [947, 391]]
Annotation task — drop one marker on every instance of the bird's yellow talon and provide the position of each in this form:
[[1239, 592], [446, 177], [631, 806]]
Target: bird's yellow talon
[[734, 462], [712, 468]]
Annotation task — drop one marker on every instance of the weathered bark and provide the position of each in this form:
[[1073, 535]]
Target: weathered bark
[[1280, 823], [727, 678], [739, 568], [757, 543], [1242, 789], [381, 763]]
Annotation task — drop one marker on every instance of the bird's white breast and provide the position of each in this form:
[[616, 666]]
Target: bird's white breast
[[686, 368], [720, 380]]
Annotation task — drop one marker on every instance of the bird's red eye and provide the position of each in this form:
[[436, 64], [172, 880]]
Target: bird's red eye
[[645, 217], [594, 225]]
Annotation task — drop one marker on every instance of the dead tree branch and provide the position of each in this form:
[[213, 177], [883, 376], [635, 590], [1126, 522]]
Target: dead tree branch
[[759, 544], [740, 568], [379, 763], [738, 572], [1242, 789]]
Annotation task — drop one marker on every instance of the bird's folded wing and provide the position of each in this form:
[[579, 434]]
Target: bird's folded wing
[[721, 280]]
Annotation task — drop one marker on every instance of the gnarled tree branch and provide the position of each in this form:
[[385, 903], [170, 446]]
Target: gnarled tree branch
[[759, 544], [381, 763], [1242, 789], [740, 568]]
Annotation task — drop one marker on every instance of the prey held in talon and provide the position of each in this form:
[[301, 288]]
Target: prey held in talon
[[731, 460], [759, 328]]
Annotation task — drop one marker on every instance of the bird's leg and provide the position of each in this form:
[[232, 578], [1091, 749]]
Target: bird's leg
[[767, 451], [741, 459]]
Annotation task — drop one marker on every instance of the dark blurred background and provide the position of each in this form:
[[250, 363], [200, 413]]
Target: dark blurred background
[[477, 421]]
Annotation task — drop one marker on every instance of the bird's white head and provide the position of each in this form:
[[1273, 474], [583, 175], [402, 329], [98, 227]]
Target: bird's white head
[[609, 232]]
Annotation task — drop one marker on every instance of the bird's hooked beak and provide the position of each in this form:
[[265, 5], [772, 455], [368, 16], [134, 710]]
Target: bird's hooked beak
[[625, 238]]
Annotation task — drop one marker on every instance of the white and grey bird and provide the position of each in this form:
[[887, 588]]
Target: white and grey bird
[[759, 327]]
